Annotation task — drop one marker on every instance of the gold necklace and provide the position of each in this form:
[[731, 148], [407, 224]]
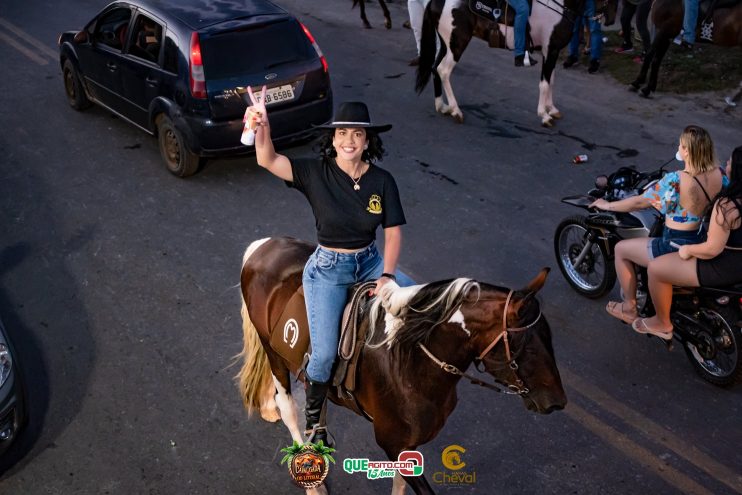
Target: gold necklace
[[356, 186]]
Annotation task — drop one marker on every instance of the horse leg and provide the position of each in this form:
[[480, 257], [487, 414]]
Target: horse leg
[[287, 406], [445, 69], [387, 15], [662, 45], [634, 86], [362, 4], [437, 86], [546, 109], [399, 485]]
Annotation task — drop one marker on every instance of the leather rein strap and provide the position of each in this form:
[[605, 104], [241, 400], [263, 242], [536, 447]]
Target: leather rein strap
[[516, 388]]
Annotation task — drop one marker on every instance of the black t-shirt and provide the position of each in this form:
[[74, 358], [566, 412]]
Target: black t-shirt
[[347, 218]]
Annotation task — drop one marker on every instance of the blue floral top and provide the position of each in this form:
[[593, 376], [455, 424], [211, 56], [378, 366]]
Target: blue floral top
[[665, 197]]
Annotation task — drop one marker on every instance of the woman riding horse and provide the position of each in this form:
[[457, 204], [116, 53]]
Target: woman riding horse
[[350, 197]]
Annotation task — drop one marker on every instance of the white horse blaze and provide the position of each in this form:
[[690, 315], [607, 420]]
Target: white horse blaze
[[458, 317]]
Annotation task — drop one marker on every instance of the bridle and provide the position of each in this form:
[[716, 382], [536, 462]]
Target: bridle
[[516, 386]]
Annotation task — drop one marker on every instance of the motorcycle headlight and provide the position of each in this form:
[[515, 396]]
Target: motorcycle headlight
[[6, 363]]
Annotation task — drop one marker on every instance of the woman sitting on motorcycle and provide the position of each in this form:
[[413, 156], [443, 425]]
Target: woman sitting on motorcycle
[[714, 263], [681, 197]]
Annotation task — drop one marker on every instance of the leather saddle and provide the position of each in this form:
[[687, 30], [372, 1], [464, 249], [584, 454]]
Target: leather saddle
[[289, 337], [499, 12]]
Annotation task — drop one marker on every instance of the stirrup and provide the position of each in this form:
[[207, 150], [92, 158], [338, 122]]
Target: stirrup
[[310, 434]]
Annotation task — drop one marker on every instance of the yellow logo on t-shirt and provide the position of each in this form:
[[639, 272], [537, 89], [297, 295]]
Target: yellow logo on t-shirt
[[374, 204]]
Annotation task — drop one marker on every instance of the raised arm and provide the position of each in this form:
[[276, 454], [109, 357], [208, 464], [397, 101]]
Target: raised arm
[[277, 164]]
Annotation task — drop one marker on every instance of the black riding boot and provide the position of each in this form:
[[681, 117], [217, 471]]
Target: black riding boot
[[316, 396]]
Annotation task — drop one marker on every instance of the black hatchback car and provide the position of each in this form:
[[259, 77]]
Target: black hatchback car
[[180, 69]]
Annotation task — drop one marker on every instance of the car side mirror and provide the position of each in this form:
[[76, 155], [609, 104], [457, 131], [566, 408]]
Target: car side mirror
[[81, 37]]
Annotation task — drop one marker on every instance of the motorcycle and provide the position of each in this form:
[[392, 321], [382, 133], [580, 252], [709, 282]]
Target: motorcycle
[[707, 321]]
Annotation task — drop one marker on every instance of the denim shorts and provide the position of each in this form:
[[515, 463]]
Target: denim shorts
[[327, 277], [659, 246]]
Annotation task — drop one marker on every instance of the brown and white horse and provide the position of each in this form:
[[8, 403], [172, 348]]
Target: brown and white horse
[[667, 16], [420, 341], [551, 25]]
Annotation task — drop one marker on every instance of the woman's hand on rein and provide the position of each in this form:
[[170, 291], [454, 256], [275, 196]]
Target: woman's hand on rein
[[381, 282]]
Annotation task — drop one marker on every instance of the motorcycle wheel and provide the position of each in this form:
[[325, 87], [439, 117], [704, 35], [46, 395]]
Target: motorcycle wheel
[[595, 275], [718, 356]]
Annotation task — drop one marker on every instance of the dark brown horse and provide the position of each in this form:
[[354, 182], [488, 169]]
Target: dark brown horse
[[419, 341], [667, 16], [382, 4]]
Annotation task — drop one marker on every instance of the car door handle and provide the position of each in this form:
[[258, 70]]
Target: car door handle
[[151, 82], [112, 67]]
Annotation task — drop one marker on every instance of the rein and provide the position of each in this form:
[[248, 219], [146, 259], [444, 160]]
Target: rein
[[516, 388]]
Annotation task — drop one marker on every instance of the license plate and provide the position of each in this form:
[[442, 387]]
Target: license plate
[[276, 95]]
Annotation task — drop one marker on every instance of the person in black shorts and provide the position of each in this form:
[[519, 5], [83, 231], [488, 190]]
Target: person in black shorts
[[350, 197], [714, 263]]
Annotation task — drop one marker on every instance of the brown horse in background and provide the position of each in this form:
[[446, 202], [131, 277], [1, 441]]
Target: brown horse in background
[[420, 342], [382, 4], [667, 16]]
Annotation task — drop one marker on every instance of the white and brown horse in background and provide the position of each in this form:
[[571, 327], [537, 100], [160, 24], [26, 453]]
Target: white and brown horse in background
[[551, 26], [418, 342]]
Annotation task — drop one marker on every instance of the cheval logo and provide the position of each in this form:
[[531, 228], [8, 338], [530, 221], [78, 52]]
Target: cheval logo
[[451, 458], [374, 204], [270, 76], [483, 7], [291, 332]]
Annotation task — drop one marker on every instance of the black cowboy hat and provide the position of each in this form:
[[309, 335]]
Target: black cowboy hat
[[353, 114]]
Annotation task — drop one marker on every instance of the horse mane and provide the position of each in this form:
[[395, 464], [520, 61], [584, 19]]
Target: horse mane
[[413, 322]]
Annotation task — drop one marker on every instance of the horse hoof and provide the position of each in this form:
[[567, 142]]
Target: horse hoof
[[645, 93], [366, 24], [388, 24], [547, 123], [556, 115], [633, 87], [459, 118]]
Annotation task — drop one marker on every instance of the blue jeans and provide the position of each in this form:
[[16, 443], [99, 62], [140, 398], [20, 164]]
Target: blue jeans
[[327, 277], [660, 246], [690, 16], [521, 22], [596, 33]]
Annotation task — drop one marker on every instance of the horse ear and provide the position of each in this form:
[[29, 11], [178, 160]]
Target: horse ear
[[538, 282]]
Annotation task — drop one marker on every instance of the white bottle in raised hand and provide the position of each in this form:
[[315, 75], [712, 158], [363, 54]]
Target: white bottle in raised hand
[[251, 124]]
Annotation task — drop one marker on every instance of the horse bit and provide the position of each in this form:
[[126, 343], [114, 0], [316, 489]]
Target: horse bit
[[516, 388]]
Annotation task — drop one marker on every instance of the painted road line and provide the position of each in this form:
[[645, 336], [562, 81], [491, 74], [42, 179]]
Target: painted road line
[[655, 432], [635, 452], [29, 39], [27, 52]]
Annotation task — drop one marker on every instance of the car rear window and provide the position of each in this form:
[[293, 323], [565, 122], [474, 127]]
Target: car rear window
[[256, 49]]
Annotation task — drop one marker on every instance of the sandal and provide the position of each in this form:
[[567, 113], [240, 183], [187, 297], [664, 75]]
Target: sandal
[[640, 326], [615, 309]]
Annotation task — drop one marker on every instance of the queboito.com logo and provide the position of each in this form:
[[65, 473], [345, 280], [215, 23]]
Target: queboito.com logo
[[453, 475], [408, 463]]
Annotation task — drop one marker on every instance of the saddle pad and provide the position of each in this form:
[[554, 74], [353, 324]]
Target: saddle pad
[[490, 10], [290, 335]]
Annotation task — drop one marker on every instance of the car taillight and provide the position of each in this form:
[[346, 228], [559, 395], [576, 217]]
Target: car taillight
[[316, 46], [198, 79]]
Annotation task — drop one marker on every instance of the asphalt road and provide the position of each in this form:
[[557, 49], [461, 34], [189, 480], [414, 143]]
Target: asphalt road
[[118, 280]]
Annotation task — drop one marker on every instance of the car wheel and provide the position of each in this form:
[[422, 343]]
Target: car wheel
[[73, 87], [178, 158]]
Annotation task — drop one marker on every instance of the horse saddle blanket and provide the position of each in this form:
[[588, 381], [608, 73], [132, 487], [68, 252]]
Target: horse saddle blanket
[[493, 10], [289, 335]]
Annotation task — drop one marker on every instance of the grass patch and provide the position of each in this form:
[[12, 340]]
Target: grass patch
[[706, 68]]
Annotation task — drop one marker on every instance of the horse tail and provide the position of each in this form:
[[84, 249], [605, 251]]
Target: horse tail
[[254, 379], [427, 47]]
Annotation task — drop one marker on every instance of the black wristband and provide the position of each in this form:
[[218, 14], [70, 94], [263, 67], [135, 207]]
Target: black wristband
[[389, 275]]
